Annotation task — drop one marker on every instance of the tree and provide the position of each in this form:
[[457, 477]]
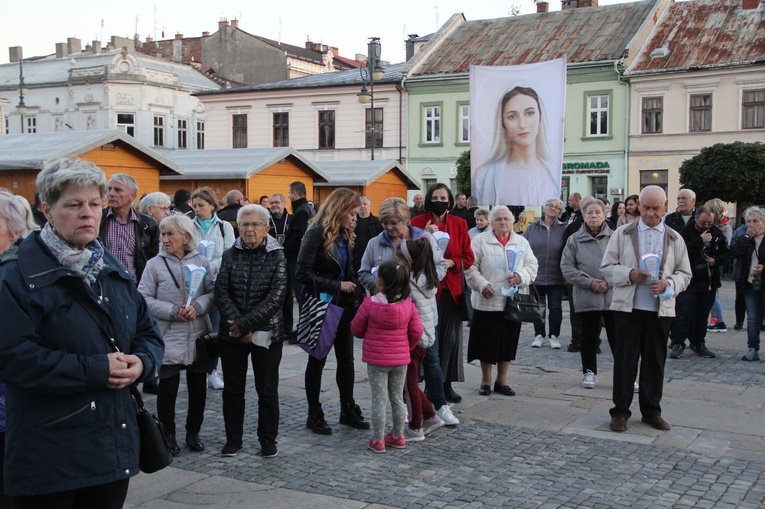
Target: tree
[[463, 172], [733, 172]]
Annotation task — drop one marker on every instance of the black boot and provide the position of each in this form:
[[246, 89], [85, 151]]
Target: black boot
[[194, 442], [174, 449], [316, 422], [350, 414]]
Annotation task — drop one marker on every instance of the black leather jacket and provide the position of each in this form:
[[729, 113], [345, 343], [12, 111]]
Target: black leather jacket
[[146, 240], [314, 264], [250, 288]]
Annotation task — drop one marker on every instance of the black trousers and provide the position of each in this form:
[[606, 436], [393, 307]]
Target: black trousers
[[167, 394], [345, 374], [289, 319], [642, 339], [590, 322], [692, 308], [234, 356], [576, 327], [104, 496]]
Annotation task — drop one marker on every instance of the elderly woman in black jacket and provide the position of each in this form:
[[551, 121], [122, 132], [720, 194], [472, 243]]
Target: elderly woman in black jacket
[[250, 290], [325, 265]]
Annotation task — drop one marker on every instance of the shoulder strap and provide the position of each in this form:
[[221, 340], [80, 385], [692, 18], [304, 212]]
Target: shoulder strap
[[220, 225]]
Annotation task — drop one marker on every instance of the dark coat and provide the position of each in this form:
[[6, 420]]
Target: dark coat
[[315, 264], [301, 213], [65, 429], [742, 249], [228, 214], [705, 276], [146, 240], [250, 288], [373, 228], [675, 220]]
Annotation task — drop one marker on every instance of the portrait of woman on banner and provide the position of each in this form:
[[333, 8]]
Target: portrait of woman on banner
[[520, 169]]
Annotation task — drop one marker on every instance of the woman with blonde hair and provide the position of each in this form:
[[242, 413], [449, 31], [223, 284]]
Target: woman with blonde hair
[[518, 171], [325, 265], [723, 222]]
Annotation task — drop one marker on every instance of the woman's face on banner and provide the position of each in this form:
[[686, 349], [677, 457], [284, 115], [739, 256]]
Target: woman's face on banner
[[520, 120]]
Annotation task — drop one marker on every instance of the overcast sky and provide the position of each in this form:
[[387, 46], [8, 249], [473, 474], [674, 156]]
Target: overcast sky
[[38, 25]]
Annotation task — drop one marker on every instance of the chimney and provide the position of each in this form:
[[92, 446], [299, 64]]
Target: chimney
[[235, 23], [542, 6], [222, 23], [588, 3], [96, 47], [61, 50], [750, 4], [73, 45], [149, 39], [178, 37], [15, 53], [335, 52], [410, 46], [204, 34]]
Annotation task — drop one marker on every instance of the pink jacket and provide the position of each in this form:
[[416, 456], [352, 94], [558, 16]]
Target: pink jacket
[[390, 331]]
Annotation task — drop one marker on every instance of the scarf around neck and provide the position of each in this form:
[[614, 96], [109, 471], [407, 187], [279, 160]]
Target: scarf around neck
[[85, 263]]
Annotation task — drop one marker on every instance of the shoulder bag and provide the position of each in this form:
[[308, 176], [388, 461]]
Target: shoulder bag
[[525, 308], [318, 324]]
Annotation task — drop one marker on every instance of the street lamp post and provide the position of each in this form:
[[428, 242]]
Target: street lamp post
[[371, 71], [21, 108]]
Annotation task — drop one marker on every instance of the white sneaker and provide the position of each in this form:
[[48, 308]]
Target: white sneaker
[[431, 425], [637, 388], [588, 382], [413, 435], [554, 343], [214, 381], [538, 341], [446, 415]]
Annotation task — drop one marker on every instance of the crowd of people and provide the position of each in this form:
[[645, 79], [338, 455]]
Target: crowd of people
[[95, 296]]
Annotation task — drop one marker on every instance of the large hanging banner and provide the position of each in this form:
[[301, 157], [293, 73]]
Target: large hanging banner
[[516, 132]]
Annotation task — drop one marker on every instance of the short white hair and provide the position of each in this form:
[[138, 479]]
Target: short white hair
[[256, 210], [154, 200], [180, 223], [497, 210]]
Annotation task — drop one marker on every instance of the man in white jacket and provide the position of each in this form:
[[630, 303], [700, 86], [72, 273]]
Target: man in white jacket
[[644, 306]]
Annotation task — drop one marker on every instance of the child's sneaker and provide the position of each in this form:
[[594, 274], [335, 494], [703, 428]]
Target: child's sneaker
[[431, 425], [413, 435], [377, 446], [397, 442]]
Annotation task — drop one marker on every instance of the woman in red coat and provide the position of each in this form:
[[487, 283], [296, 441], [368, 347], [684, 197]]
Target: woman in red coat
[[458, 256]]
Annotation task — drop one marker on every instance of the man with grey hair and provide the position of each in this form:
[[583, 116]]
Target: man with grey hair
[[686, 209], [419, 206], [156, 205], [133, 238], [647, 265]]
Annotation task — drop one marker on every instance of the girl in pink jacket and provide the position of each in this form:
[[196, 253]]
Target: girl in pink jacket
[[391, 328]]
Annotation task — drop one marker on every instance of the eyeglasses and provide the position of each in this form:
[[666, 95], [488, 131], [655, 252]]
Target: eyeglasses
[[251, 226], [391, 224], [274, 203], [502, 219]]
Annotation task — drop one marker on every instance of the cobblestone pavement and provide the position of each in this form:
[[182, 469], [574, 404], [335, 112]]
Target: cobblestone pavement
[[548, 447]]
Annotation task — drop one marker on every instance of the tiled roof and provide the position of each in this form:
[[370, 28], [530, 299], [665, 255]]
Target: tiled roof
[[35, 151], [327, 79], [362, 173], [55, 71], [234, 163], [588, 34], [703, 34]]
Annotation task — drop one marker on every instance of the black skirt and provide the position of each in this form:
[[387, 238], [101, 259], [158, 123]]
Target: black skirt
[[450, 338], [492, 338]]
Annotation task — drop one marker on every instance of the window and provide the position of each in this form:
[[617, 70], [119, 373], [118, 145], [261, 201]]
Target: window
[[200, 135], [377, 126], [753, 109], [432, 125], [126, 123], [240, 130], [598, 109], [183, 134], [652, 108], [159, 131], [464, 116], [326, 129], [654, 178], [701, 113], [31, 124], [281, 129], [428, 183]]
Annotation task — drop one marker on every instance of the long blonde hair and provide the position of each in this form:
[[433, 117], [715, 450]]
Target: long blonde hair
[[342, 201], [500, 147]]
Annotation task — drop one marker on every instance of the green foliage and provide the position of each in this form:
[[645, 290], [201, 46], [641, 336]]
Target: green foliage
[[463, 172], [733, 172]]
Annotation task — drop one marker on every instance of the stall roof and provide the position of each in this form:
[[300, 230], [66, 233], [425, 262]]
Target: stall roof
[[35, 151], [237, 163], [362, 173]]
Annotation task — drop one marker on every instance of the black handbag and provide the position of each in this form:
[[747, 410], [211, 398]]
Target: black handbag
[[465, 306], [525, 308], [155, 445], [206, 347]]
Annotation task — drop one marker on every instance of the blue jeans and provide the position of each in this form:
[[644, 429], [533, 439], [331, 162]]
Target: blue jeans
[[554, 296], [754, 300], [434, 377]]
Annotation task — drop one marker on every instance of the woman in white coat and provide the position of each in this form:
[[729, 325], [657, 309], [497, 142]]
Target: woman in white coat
[[494, 340]]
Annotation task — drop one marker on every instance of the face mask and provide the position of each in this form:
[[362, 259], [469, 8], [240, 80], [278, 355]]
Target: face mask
[[439, 207]]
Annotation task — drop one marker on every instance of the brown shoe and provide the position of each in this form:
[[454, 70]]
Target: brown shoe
[[657, 422], [618, 424]]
